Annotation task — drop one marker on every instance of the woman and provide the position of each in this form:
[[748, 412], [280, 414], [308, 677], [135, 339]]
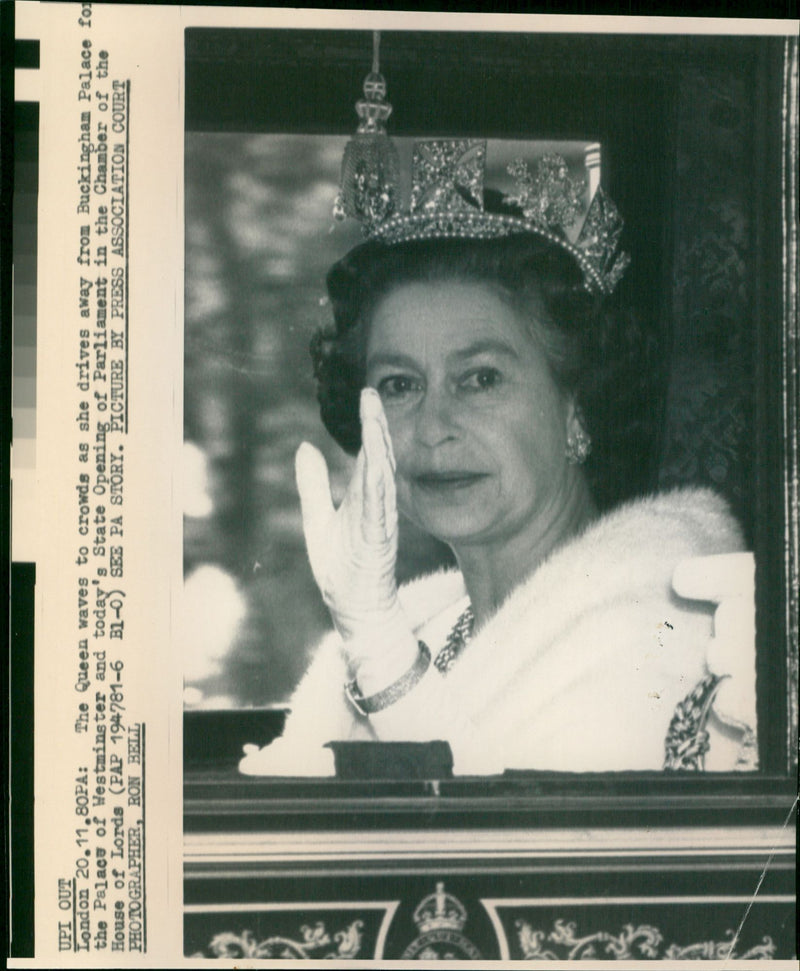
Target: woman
[[485, 372]]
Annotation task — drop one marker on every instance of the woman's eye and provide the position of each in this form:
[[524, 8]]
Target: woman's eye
[[481, 379], [397, 385]]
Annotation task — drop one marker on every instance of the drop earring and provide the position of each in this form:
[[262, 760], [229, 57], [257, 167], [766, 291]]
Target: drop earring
[[579, 446]]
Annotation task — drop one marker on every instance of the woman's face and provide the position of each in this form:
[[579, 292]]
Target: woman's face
[[478, 424]]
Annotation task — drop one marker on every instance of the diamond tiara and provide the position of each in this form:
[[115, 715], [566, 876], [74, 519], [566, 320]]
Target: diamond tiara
[[447, 194]]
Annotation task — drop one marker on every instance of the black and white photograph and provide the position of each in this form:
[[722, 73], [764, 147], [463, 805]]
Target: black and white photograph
[[405, 526], [482, 387]]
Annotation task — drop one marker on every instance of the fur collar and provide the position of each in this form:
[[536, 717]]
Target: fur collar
[[579, 670], [583, 665], [620, 551]]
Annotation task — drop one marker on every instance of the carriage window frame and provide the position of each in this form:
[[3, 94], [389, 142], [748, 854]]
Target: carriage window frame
[[307, 83]]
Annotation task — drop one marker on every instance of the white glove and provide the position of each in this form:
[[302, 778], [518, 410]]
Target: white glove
[[727, 579], [353, 549]]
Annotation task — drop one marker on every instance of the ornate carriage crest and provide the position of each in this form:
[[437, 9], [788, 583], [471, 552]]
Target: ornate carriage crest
[[440, 918]]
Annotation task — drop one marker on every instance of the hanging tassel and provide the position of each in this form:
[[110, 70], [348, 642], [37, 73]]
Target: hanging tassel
[[370, 165]]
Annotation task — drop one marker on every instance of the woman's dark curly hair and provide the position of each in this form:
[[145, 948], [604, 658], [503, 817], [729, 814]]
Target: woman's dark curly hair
[[600, 356]]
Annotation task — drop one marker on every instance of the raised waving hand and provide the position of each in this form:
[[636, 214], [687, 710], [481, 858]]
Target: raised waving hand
[[353, 549]]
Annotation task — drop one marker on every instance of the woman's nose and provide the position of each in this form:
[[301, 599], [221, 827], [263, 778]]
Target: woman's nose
[[436, 419]]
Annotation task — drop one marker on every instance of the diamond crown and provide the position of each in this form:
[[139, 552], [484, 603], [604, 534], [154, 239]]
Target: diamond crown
[[447, 193], [447, 201]]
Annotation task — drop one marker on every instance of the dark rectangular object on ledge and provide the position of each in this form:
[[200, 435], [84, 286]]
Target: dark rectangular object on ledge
[[392, 760]]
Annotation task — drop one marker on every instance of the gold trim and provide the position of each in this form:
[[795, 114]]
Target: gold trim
[[309, 849], [628, 944]]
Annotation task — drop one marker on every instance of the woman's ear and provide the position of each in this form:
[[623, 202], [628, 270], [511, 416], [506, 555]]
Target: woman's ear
[[573, 417]]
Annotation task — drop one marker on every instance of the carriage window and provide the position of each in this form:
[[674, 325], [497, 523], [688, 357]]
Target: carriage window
[[670, 137]]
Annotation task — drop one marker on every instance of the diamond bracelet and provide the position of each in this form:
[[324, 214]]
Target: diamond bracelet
[[388, 696]]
